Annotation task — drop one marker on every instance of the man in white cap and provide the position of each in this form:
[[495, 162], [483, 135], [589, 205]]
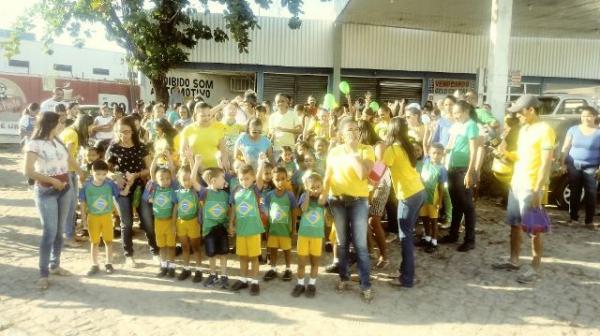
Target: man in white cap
[[532, 167]]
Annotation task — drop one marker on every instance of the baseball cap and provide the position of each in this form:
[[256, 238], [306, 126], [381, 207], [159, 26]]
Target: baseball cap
[[525, 101]]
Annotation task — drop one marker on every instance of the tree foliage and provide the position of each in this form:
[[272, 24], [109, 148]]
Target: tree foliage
[[156, 33]]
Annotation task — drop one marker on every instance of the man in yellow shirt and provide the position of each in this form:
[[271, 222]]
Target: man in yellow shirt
[[205, 137], [532, 167]]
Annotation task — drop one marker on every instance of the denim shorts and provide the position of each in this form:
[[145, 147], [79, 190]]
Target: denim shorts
[[518, 203]]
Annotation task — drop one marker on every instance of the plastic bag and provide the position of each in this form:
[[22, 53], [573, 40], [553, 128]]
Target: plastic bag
[[536, 220]]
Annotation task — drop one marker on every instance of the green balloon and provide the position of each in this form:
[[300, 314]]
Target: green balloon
[[329, 100], [374, 106], [344, 87]]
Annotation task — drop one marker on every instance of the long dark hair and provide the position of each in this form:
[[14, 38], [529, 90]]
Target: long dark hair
[[398, 132], [81, 126], [130, 122], [367, 134], [46, 122], [469, 109], [168, 130]]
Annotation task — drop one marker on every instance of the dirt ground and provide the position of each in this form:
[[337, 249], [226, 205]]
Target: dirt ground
[[456, 294]]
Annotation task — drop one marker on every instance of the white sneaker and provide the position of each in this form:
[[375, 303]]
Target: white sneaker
[[129, 262]]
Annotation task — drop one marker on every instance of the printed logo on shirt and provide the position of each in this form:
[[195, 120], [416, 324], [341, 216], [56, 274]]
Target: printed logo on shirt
[[313, 216], [278, 213], [245, 208], [186, 205], [161, 200], [216, 210], [100, 204]]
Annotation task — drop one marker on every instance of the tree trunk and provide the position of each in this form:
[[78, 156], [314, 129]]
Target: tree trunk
[[159, 87]]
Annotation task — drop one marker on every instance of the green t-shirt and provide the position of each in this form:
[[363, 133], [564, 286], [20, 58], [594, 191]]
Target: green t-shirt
[[280, 209], [163, 201], [247, 215], [99, 199], [214, 211], [187, 204], [312, 222], [462, 133], [484, 116], [431, 175]]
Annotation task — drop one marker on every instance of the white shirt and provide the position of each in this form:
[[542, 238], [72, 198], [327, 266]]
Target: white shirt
[[53, 158], [101, 121], [49, 105], [288, 120]]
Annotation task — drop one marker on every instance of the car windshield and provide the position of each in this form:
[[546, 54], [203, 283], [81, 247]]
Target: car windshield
[[548, 104]]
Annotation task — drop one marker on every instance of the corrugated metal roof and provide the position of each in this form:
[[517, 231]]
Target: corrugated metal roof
[[391, 48], [274, 44]]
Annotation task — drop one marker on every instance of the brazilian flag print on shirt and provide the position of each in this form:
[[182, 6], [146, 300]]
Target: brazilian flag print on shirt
[[187, 204], [312, 222], [214, 211], [163, 201], [280, 212], [99, 199], [247, 215]]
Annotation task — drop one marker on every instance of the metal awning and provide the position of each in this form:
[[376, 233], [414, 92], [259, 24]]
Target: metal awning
[[531, 18]]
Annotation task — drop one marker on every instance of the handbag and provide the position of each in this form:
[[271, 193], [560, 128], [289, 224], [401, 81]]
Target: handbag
[[535, 220]]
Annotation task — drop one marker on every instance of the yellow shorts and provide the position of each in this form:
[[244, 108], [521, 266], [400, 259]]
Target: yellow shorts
[[189, 228], [429, 210], [100, 225], [247, 246], [310, 246], [284, 243], [165, 236]]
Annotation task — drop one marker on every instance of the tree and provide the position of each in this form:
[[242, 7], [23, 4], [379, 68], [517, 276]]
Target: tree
[[157, 34]]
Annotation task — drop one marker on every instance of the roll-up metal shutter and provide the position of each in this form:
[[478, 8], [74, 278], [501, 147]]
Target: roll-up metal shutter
[[308, 85], [360, 85], [399, 88], [297, 86], [275, 83]]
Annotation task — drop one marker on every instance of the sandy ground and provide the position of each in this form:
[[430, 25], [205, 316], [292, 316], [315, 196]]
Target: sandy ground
[[457, 294]]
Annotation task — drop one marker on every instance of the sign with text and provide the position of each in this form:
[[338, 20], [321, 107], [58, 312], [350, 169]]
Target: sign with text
[[448, 86]]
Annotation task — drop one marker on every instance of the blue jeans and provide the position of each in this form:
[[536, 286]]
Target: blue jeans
[[125, 204], [53, 207], [585, 178], [69, 228], [408, 212], [350, 215]]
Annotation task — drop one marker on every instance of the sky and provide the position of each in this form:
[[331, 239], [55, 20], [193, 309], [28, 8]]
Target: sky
[[314, 9]]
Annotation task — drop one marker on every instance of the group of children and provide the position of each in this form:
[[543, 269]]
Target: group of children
[[251, 205]]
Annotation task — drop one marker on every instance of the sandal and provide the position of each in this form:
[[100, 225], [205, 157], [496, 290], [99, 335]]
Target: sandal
[[382, 263]]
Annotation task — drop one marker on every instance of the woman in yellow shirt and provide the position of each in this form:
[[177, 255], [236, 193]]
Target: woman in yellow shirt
[[346, 183], [401, 160], [74, 137]]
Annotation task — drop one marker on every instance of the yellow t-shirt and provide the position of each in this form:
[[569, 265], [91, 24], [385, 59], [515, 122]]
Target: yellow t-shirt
[[533, 139], [204, 141], [232, 132], [344, 180], [70, 138], [405, 178]]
